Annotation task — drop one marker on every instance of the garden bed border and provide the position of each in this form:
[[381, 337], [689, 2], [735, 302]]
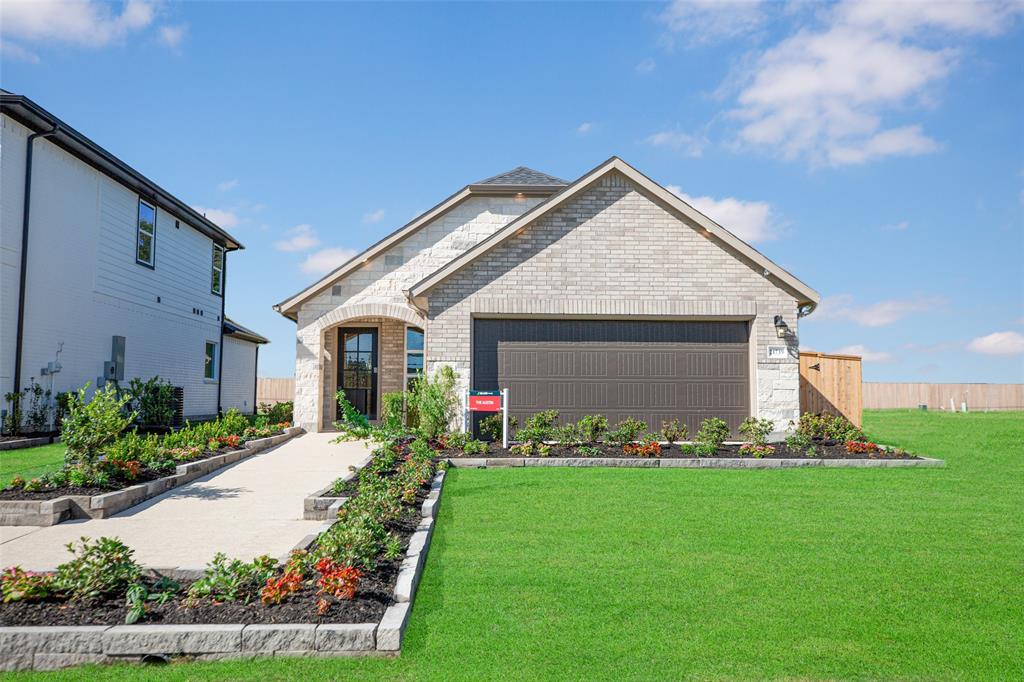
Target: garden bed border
[[32, 442], [320, 506], [55, 647], [60, 509], [688, 462]]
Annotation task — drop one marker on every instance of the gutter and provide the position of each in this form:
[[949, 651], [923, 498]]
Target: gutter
[[22, 275], [220, 346], [255, 378]]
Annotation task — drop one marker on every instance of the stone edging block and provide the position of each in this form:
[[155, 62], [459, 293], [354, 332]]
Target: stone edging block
[[688, 462], [60, 509]]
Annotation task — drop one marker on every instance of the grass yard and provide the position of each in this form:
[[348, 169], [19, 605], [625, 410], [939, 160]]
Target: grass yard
[[30, 462], [718, 574]]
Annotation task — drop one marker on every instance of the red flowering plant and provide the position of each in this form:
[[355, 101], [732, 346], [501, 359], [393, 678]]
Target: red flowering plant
[[859, 447], [755, 450], [336, 579], [126, 469], [278, 588], [231, 441], [647, 448]]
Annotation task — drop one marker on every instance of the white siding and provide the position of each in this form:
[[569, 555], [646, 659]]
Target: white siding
[[238, 384], [84, 286], [12, 192]]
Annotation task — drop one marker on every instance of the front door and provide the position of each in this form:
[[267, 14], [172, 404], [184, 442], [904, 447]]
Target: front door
[[357, 371]]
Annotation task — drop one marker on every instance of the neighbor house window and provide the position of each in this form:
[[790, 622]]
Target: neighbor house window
[[210, 368], [413, 354], [145, 247], [217, 278]]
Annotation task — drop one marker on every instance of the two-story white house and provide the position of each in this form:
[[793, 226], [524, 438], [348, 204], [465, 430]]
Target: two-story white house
[[105, 275]]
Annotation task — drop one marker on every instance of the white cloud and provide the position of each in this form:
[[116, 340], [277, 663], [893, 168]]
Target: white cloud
[[998, 343], [705, 21], [821, 93], [751, 221], [9, 50], [219, 216], [171, 36], [585, 127], [646, 66], [300, 238], [687, 145], [325, 260], [865, 353], [842, 307], [901, 226], [374, 216], [86, 23], [227, 185]]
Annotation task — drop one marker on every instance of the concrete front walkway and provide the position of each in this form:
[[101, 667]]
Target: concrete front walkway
[[250, 508]]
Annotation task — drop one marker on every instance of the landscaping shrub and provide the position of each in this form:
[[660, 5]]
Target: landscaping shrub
[[132, 446], [233, 580], [592, 427], [103, 567], [491, 427], [757, 430], [799, 442], [674, 431], [539, 427], [626, 431], [568, 434], [19, 585], [474, 447], [12, 420], [434, 401], [91, 426], [37, 416], [647, 447], [829, 427], [856, 447], [392, 409], [278, 412], [588, 451], [152, 400], [713, 432], [756, 450]]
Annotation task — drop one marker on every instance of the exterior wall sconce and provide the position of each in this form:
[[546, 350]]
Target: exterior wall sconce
[[780, 327]]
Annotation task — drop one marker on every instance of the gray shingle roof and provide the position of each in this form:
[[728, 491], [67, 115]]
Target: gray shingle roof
[[523, 176]]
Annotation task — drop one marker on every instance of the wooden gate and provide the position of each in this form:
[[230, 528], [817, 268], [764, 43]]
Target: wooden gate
[[832, 384]]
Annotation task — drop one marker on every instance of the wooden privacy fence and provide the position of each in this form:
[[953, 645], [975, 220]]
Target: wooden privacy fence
[[936, 396], [274, 390], [831, 383]]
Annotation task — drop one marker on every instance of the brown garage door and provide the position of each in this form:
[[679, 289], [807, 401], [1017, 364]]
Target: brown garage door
[[649, 370]]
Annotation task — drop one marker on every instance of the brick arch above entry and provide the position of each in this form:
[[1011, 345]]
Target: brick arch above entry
[[370, 309]]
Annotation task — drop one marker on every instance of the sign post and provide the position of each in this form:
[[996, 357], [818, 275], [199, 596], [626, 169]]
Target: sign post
[[489, 401]]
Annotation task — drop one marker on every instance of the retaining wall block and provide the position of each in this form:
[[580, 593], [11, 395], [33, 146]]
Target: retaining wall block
[[392, 627], [52, 639], [139, 640], [267, 639], [345, 637]]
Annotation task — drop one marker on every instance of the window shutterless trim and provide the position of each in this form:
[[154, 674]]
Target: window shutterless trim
[[214, 361], [152, 237], [422, 352], [214, 269]]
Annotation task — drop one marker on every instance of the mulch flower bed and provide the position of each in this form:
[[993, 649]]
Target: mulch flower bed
[[145, 474], [823, 450], [373, 596]]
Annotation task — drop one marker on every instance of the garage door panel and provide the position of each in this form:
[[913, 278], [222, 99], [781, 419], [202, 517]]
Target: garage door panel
[[650, 370]]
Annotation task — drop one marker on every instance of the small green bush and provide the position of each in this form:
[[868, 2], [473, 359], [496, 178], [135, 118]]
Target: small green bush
[[103, 567], [392, 411], [828, 427], [592, 427], [434, 401], [91, 426], [491, 428], [713, 432], [757, 430], [474, 447], [278, 412], [152, 400], [233, 580], [539, 427], [674, 431], [626, 431]]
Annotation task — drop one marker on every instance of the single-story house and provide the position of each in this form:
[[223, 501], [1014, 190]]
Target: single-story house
[[105, 275], [604, 295]]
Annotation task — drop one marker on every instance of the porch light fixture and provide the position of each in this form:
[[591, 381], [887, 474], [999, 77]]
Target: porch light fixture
[[780, 327]]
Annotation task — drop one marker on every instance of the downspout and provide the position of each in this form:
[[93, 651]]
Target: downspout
[[220, 357], [24, 254], [255, 378]]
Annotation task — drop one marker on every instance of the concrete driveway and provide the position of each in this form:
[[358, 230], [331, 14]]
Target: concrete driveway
[[250, 508]]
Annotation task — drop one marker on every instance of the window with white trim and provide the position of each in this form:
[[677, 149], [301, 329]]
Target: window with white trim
[[210, 367], [145, 246], [413, 355], [217, 275]]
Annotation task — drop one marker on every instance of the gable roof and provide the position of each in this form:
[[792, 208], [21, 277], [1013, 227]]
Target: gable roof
[[34, 117], [519, 181], [805, 294], [522, 175]]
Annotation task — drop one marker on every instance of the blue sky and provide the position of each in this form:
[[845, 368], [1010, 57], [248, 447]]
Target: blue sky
[[876, 150]]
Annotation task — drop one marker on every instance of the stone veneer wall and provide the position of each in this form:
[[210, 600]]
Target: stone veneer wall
[[614, 250], [376, 289]]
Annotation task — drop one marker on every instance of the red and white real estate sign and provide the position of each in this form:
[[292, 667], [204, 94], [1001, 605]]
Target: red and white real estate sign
[[485, 402]]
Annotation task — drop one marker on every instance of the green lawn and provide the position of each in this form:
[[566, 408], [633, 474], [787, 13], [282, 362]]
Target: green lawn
[[806, 574], [30, 462]]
